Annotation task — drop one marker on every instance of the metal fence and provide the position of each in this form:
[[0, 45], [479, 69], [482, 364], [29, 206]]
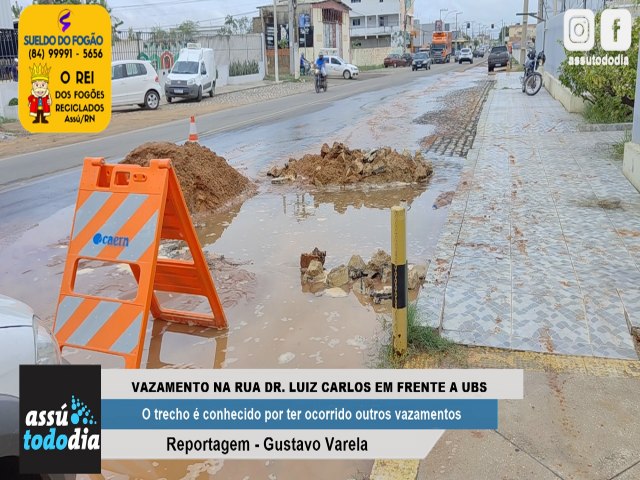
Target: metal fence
[[8, 54]]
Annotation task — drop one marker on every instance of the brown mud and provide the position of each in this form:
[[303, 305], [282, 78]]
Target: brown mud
[[207, 181]]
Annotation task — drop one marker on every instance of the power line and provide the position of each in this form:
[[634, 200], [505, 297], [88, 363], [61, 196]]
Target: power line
[[147, 5], [219, 19]]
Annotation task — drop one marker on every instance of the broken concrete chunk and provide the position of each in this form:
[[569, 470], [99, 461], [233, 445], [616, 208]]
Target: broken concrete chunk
[[307, 258], [356, 267], [420, 173], [274, 172], [413, 279], [422, 271], [386, 274], [283, 180], [378, 261], [335, 292], [324, 150], [314, 270], [338, 276]]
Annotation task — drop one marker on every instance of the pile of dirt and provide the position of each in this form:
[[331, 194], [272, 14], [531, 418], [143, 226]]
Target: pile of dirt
[[207, 181], [339, 165]]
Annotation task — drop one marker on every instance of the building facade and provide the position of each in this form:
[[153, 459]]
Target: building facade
[[516, 31], [320, 26], [381, 23]]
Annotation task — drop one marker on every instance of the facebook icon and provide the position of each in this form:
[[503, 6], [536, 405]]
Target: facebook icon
[[615, 29]]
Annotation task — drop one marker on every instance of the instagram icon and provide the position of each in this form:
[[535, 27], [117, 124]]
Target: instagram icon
[[579, 26]]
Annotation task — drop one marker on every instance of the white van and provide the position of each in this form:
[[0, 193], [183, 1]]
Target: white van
[[193, 74]]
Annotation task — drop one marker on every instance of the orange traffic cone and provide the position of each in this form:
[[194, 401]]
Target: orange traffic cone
[[193, 133]]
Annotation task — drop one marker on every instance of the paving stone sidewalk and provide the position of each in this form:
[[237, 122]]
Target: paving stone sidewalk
[[542, 243]]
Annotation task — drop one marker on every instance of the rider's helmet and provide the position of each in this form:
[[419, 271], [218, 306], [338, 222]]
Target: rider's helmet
[[321, 56]]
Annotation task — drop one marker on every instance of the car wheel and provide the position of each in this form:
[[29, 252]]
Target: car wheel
[[169, 99], [471, 62], [199, 98], [386, 66], [152, 100], [346, 74], [491, 69], [213, 87]]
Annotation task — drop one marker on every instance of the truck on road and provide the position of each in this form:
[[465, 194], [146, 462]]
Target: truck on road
[[441, 47]]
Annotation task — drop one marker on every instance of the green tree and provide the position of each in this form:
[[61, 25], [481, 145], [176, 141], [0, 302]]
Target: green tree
[[504, 33], [16, 10], [233, 26], [187, 30], [607, 87]]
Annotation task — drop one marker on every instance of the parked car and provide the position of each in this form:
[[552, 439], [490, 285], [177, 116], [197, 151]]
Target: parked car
[[421, 60], [134, 82], [337, 67], [397, 60], [478, 53], [466, 55], [23, 340], [498, 57]]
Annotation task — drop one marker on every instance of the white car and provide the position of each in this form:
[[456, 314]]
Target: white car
[[466, 55], [134, 82], [23, 340], [337, 67]]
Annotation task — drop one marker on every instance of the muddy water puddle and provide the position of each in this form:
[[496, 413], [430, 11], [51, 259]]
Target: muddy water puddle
[[274, 320]]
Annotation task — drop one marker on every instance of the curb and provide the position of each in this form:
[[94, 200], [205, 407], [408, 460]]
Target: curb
[[605, 127]]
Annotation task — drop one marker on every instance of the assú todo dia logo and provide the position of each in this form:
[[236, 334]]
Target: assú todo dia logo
[[78, 417]]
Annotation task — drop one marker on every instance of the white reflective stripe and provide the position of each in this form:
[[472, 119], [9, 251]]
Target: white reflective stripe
[[117, 220], [88, 210], [129, 339], [94, 322], [67, 306], [141, 242]]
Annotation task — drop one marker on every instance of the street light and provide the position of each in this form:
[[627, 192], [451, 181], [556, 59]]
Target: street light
[[445, 17], [443, 10], [457, 13]]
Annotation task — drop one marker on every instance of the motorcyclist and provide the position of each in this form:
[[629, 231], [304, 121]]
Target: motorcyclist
[[320, 65]]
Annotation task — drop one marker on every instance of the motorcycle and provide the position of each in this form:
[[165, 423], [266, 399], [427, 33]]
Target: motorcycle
[[532, 79], [321, 81]]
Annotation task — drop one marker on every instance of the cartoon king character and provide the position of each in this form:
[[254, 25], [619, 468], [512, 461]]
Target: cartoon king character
[[39, 100]]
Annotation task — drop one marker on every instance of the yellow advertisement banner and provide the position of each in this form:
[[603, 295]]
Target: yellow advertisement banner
[[64, 68]]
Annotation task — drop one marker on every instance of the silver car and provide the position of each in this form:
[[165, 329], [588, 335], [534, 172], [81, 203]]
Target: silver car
[[23, 340]]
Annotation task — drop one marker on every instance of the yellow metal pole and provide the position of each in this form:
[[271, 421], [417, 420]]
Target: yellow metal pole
[[399, 295]]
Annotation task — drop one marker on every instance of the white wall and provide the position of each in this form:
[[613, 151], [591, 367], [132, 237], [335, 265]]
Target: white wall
[[373, 7], [6, 17], [8, 90]]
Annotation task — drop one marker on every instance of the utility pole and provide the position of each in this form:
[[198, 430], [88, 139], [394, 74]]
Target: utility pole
[[275, 39], [296, 41], [524, 36], [540, 10], [292, 63]]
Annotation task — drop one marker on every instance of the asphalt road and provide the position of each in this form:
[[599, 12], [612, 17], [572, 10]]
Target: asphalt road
[[34, 186], [26, 167]]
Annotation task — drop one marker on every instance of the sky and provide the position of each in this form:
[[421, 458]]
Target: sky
[[165, 13]]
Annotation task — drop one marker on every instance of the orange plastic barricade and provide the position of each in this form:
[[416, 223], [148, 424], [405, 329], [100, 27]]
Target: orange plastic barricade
[[122, 213]]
